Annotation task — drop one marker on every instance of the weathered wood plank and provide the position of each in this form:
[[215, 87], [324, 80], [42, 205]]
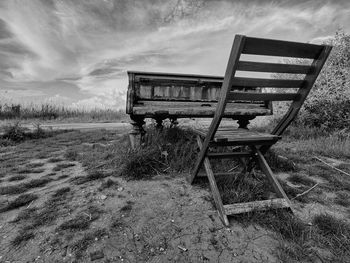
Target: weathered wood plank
[[271, 47], [240, 208], [249, 96], [276, 83], [273, 67]]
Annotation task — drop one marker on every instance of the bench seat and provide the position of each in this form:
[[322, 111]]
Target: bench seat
[[233, 135], [196, 109]]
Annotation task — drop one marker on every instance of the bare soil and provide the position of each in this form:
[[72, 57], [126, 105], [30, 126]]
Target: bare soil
[[163, 219]]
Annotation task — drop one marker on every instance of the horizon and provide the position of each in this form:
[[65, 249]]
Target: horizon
[[76, 53]]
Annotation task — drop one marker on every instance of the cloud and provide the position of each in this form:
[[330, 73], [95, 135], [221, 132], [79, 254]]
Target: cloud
[[88, 46]]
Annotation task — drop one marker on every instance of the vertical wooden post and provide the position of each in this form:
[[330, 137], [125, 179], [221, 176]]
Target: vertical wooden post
[[137, 133]]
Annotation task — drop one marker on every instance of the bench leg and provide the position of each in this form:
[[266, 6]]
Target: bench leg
[[159, 123], [137, 133], [243, 122]]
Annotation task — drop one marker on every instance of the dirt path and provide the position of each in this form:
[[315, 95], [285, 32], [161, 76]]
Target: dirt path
[[83, 126]]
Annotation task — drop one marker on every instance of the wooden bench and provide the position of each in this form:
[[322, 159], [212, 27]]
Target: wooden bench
[[166, 95]]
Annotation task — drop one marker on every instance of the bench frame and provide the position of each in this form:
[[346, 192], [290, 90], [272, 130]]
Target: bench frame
[[258, 144]]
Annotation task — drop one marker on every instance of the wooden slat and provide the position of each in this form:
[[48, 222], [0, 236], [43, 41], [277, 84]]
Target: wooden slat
[[249, 96], [273, 83], [273, 67], [240, 208], [228, 155], [270, 47]]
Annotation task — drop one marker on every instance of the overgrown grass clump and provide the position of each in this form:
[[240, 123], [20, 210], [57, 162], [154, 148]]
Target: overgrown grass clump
[[167, 150]]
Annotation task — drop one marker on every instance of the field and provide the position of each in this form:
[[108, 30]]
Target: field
[[72, 196], [47, 112]]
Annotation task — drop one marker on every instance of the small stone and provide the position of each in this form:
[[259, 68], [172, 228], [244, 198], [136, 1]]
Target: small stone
[[152, 250], [172, 220], [120, 189], [103, 197], [161, 249], [96, 255]]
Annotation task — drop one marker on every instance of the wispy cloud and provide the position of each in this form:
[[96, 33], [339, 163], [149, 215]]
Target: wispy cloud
[[87, 46]]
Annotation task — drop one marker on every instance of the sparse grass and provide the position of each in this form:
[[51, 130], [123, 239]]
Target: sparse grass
[[63, 176], [32, 218], [23, 236], [238, 189], [107, 184], [61, 192], [83, 220], [55, 160], [79, 247], [21, 200], [62, 166], [342, 198], [301, 179], [92, 176], [16, 178], [22, 187], [335, 233], [34, 165], [278, 162], [71, 155], [16, 133], [31, 171], [128, 207]]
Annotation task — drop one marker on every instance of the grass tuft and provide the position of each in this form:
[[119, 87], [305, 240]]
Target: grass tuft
[[62, 166], [16, 178], [21, 200], [23, 236]]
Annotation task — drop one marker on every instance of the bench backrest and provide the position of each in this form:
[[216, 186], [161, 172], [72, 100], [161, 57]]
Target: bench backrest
[[260, 48]]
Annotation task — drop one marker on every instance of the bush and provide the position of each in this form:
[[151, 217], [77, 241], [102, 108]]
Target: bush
[[328, 105]]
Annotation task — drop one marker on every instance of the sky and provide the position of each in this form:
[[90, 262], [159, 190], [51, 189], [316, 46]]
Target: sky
[[77, 52]]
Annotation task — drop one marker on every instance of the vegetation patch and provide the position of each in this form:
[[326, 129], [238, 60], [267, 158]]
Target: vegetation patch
[[23, 236], [31, 171], [21, 200], [342, 198], [335, 233], [107, 184], [62, 166], [12, 189], [301, 179], [83, 220], [16, 178], [71, 155], [55, 160], [79, 247]]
